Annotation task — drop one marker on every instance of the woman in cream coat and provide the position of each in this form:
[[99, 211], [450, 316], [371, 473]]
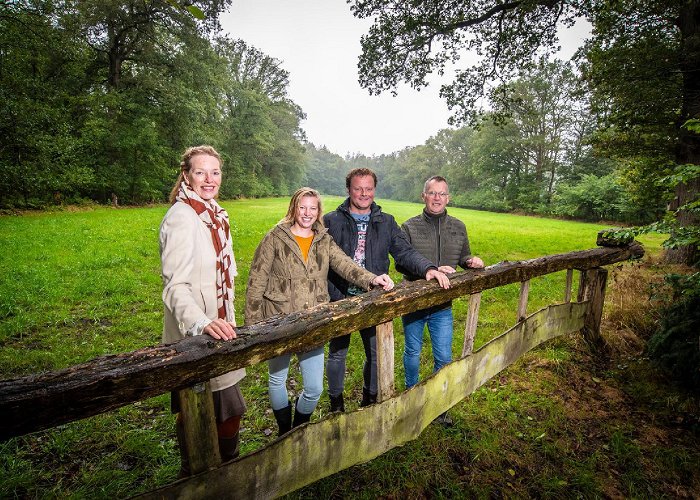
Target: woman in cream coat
[[289, 273], [198, 268]]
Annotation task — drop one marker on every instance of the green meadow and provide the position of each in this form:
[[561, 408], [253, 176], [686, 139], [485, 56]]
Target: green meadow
[[77, 284]]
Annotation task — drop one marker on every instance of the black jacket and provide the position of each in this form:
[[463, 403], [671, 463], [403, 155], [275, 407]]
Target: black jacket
[[384, 237]]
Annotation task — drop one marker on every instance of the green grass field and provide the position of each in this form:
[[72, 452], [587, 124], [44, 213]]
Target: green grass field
[[79, 284]]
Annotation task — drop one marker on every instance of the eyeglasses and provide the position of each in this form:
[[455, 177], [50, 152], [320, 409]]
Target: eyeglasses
[[441, 194]]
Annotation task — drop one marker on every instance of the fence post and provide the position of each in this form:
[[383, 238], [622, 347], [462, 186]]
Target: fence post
[[472, 320], [385, 361], [569, 282], [592, 288], [522, 302], [197, 413]]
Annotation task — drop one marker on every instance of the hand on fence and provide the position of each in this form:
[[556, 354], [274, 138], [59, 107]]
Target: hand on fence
[[475, 262], [447, 269], [220, 329], [443, 280], [384, 281]]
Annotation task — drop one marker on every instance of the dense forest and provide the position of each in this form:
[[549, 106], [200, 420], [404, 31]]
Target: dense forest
[[100, 97]]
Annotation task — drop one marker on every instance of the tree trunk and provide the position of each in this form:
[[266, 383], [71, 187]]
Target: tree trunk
[[689, 144]]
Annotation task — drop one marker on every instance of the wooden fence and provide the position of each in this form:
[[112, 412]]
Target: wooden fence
[[46, 400]]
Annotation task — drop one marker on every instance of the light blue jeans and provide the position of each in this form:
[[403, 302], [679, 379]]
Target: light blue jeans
[[311, 364], [439, 321]]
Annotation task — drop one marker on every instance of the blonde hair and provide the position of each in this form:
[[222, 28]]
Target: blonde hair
[[296, 199], [186, 164]]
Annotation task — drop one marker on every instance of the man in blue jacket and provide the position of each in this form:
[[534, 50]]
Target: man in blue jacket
[[368, 235]]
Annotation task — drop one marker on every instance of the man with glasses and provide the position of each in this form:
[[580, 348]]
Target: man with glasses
[[443, 240]]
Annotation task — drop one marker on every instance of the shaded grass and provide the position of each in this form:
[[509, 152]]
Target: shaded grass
[[76, 285]]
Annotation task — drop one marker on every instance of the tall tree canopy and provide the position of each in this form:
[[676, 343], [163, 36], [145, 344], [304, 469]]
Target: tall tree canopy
[[410, 40], [100, 97]]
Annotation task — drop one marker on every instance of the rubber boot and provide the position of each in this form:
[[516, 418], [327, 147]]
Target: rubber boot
[[229, 448], [367, 398], [284, 419], [182, 445], [337, 403], [299, 417]]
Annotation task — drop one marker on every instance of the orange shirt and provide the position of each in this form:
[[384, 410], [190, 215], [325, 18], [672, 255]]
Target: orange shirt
[[304, 245]]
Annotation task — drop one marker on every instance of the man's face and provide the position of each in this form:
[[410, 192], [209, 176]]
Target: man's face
[[436, 197], [361, 193]]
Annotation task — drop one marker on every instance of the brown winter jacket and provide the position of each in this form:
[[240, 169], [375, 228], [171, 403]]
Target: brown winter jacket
[[281, 282]]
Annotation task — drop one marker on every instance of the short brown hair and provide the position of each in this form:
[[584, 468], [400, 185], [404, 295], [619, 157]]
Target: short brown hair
[[359, 172], [296, 199], [185, 165]]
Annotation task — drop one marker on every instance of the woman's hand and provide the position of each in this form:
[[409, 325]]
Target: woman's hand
[[384, 281], [220, 329]]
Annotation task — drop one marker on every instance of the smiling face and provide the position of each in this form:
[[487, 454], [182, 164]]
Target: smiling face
[[361, 193], [204, 176], [436, 197], [306, 213]]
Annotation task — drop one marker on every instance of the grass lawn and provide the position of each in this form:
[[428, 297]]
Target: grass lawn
[[79, 284]]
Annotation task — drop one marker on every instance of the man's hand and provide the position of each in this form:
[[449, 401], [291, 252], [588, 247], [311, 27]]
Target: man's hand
[[475, 263], [384, 281], [220, 329], [447, 269], [443, 280]]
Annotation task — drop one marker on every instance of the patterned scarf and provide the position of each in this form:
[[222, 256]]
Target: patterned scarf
[[216, 219]]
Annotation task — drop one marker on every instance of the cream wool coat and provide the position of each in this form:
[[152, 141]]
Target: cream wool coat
[[280, 282], [188, 265]]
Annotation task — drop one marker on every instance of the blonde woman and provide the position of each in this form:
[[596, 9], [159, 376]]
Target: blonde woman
[[289, 273], [198, 269]]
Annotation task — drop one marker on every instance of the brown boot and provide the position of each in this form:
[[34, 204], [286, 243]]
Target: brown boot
[[228, 434], [229, 448]]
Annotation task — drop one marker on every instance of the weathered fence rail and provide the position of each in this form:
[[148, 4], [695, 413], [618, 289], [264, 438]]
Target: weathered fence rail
[[45, 400]]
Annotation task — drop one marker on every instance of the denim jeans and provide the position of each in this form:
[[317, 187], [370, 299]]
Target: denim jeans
[[338, 351], [311, 364], [439, 321]]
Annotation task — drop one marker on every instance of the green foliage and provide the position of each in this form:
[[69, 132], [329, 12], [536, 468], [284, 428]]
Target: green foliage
[[676, 345], [102, 97], [593, 198]]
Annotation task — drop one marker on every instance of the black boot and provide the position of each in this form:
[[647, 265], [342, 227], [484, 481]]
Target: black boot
[[367, 398], [299, 417], [284, 419], [337, 403], [229, 448]]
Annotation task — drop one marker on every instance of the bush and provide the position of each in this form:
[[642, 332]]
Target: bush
[[675, 347], [592, 198]]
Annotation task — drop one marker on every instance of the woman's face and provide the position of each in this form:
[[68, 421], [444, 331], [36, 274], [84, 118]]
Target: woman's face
[[307, 212], [204, 176]]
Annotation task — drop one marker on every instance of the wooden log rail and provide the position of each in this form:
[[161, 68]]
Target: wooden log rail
[[46, 400]]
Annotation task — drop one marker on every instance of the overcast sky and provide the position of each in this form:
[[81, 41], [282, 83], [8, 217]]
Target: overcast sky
[[318, 42]]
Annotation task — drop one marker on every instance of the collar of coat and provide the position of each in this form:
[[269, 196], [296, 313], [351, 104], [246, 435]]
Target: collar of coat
[[283, 232], [375, 211]]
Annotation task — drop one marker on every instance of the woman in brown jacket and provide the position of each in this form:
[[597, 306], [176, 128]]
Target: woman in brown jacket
[[289, 273]]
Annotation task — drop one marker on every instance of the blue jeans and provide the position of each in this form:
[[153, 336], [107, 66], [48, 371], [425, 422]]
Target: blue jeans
[[311, 364], [439, 320]]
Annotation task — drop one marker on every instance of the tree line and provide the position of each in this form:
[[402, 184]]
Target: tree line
[[100, 98]]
